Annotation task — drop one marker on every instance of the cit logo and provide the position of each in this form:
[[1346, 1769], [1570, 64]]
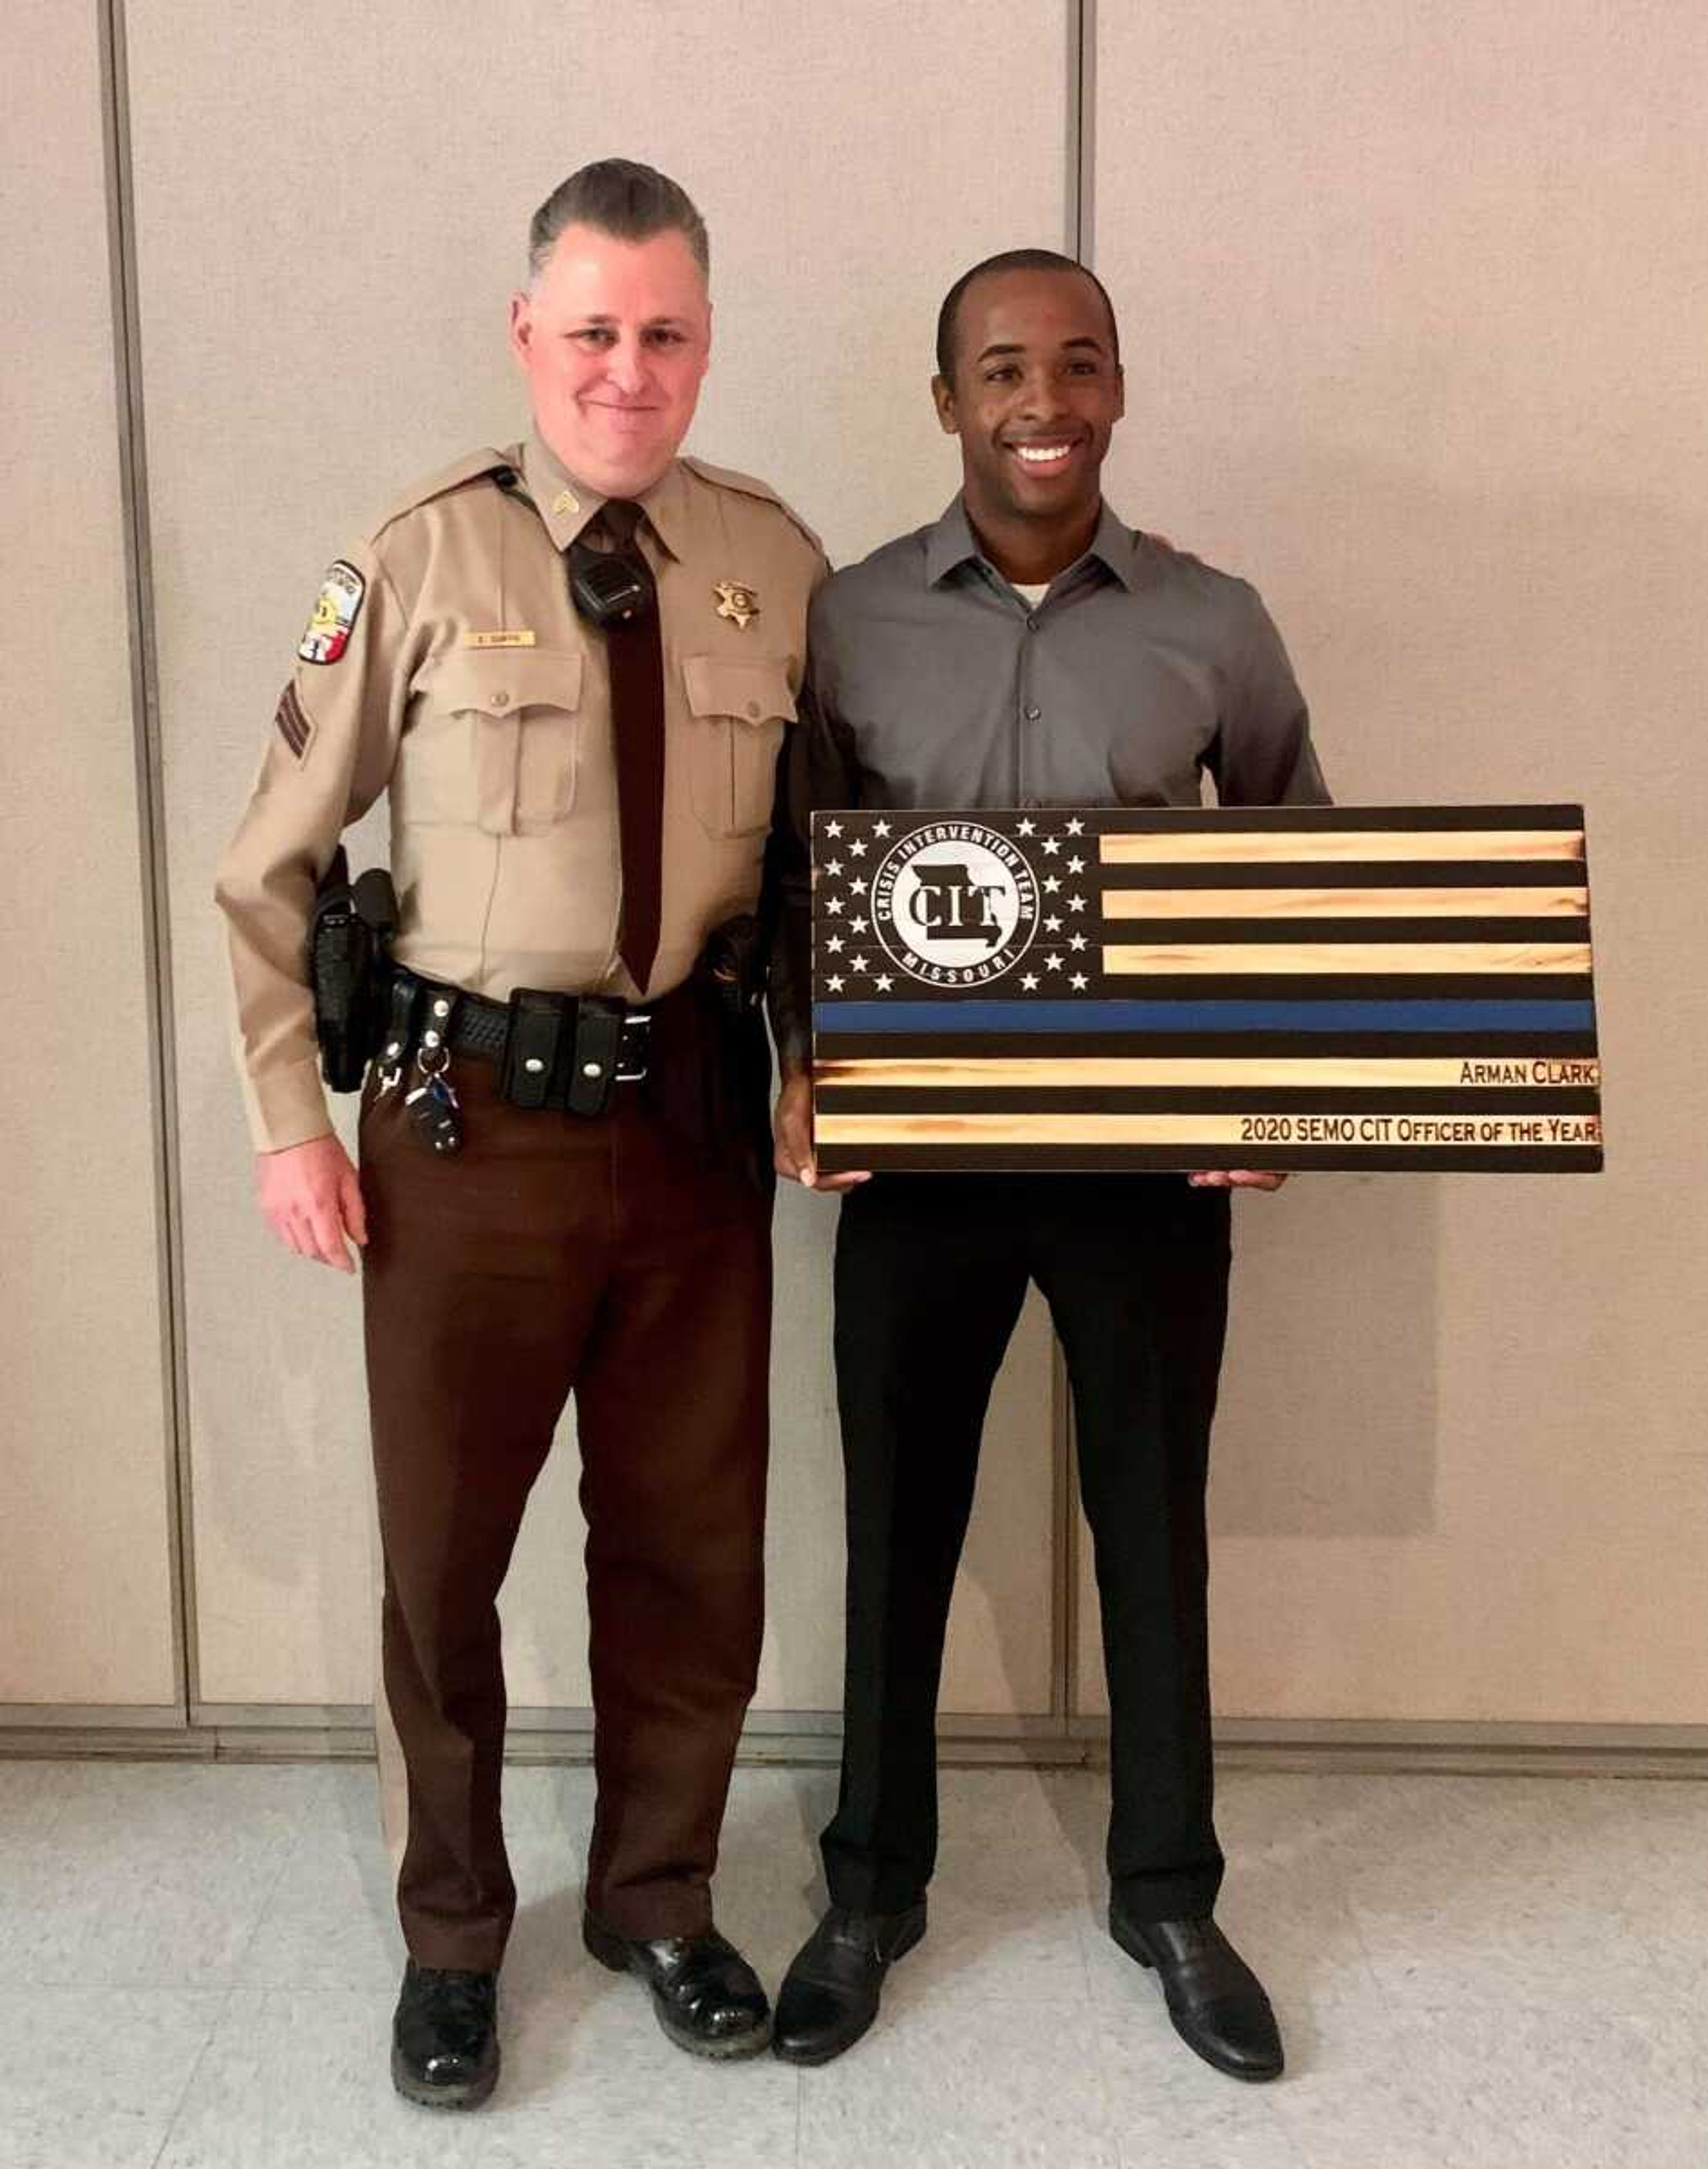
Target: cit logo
[[955, 904]]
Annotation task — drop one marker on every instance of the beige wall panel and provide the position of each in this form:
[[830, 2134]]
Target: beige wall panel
[[331, 204], [86, 1604], [1415, 307]]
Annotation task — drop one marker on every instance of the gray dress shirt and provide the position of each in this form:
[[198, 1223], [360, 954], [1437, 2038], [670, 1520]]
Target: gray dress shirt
[[932, 682]]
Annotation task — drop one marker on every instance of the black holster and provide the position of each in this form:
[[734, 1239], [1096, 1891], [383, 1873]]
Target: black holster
[[350, 945], [709, 1062]]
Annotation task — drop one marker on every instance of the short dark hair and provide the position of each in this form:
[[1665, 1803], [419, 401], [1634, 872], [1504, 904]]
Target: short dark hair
[[1012, 259], [615, 196]]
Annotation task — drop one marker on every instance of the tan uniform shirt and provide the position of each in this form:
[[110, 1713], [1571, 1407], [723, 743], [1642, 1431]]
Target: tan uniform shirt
[[445, 662]]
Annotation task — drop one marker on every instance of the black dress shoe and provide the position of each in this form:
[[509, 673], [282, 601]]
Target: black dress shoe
[[1216, 2001], [830, 1994], [444, 2037], [707, 1997]]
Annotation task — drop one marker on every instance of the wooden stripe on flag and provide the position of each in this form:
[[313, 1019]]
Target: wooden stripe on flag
[[1074, 990]]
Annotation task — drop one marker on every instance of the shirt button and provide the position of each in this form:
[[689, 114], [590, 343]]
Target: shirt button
[[1032, 711], [501, 699], [754, 709], [1032, 622]]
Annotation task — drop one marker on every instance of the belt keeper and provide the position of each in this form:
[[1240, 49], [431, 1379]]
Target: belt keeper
[[400, 1022], [599, 1040], [530, 1046]]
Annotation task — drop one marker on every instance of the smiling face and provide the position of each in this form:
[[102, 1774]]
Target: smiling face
[[614, 338], [1036, 390]]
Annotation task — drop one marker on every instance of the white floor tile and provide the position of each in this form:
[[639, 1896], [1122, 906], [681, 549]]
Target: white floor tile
[[1166, 2106], [1586, 2090], [300, 2079], [31, 1797], [1020, 1949], [151, 1876], [331, 1918], [590, 2077], [91, 2078], [943, 2087]]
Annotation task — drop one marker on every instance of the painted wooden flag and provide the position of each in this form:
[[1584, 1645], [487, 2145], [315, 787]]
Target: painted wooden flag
[[1297, 987]]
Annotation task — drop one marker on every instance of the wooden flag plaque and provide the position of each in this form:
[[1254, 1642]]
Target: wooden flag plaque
[[1297, 987]]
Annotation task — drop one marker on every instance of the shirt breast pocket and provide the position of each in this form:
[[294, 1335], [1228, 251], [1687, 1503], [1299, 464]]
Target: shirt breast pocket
[[738, 708], [499, 737]]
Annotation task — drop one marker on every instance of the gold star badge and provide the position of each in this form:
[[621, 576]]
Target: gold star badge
[[736, 600]]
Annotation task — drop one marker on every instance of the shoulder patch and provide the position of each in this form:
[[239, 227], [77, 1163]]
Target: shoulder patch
[[748, 485], [470, 468], [336, 610]]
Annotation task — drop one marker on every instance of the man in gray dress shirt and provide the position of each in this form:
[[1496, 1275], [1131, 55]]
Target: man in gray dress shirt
[[1028, 649]]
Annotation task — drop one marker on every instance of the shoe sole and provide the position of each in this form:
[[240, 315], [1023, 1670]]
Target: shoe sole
[[613, 1955], [813, 2057], [425, 2095], [1243, 2071]]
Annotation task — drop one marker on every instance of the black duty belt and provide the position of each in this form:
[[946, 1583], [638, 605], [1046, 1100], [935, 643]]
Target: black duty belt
[[559, 1051]]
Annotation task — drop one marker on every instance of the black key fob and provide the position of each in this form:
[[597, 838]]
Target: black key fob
[[433, 1111]]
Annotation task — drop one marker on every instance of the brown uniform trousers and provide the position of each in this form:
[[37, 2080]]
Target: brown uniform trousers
[[558, 1253]]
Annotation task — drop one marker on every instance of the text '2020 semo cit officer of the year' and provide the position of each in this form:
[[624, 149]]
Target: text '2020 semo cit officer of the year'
[[571, 664]]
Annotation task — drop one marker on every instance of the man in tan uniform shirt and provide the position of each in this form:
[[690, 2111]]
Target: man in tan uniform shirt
[[612, 1253]]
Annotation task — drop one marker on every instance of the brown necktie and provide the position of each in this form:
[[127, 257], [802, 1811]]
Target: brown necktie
[[637, 723]]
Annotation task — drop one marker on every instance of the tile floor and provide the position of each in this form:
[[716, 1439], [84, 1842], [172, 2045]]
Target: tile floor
[[197, 1966]]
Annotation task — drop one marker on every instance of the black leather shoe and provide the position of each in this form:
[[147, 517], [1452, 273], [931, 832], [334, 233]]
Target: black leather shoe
[[1216, 2001], [444, 2037], [707, 1997], [830, 1994]]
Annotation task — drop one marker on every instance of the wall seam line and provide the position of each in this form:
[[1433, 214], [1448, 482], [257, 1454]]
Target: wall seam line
[[150, 815], [1082, 93], [1065, 1625]]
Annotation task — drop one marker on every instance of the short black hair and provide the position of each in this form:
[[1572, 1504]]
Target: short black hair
[[616, 196], [1012, 259]]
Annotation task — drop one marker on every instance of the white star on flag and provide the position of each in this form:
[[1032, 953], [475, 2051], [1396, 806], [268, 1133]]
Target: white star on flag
[[1078, 982], [857, 848], [1076, 904], [834, 944], [856, 926], [1025, 828], [1078, 942], [1076, 865], [1052, 962], [880, 828], [1030, 984], [832, 828], [857, 963], [1075, 827], [832, 904], [833, 865], [884, 982], [834, 984], [1052, 924], [1052, 845], [1051, 884]]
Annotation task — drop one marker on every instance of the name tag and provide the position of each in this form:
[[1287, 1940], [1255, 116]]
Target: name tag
[[520, 639]]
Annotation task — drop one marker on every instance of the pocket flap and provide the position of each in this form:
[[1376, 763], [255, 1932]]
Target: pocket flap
[[499, 681], [753, 689]]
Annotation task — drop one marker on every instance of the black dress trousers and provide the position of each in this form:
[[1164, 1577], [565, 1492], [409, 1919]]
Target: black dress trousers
[[931, 1271]]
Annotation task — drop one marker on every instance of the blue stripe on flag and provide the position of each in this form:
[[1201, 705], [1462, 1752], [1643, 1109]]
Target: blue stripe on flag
[[970, 1016]]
